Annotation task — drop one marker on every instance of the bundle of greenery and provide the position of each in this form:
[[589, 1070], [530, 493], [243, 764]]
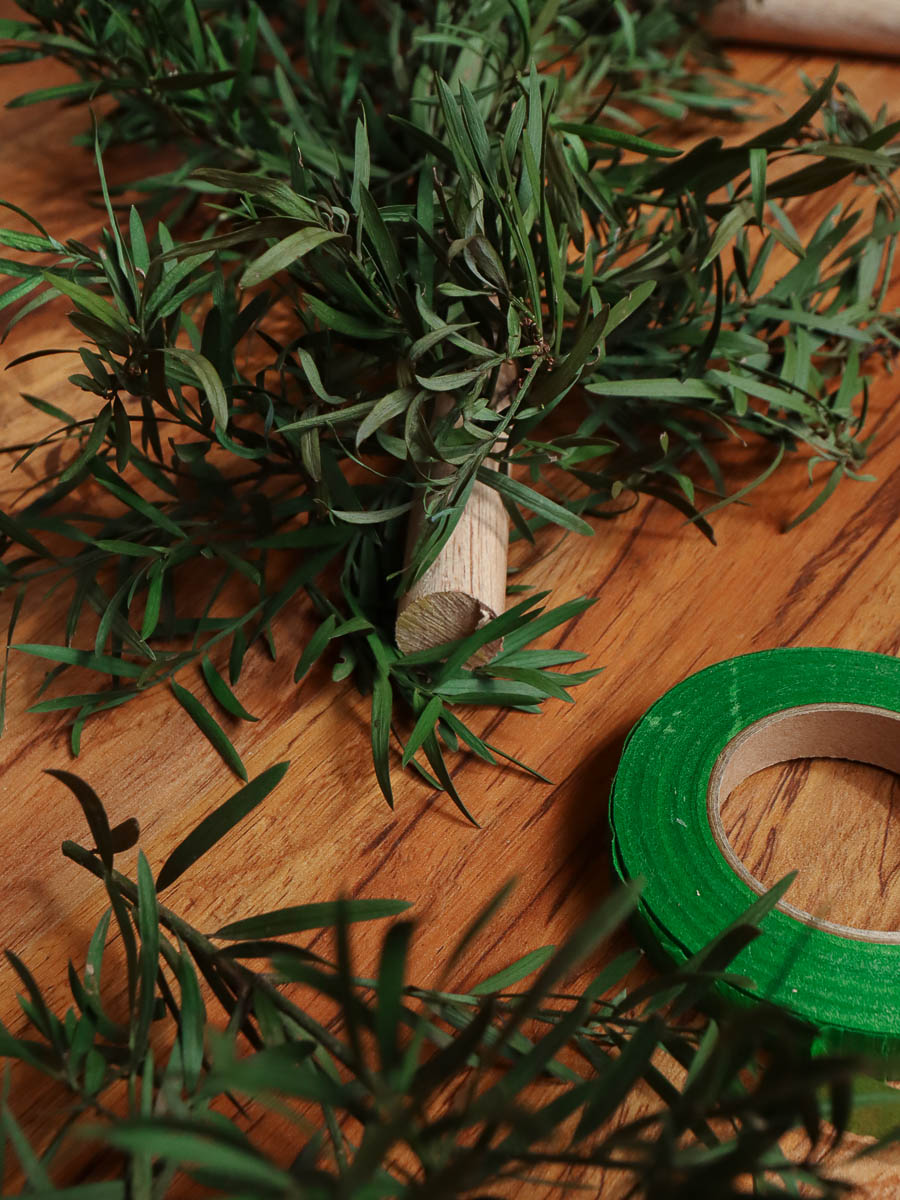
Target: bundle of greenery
[[368, 216]]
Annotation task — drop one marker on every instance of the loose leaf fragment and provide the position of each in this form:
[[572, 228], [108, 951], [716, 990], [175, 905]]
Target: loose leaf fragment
[[214, 827], [222, 691], [94, 812], [210, 728]]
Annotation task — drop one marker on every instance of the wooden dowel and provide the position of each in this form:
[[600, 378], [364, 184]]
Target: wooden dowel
[[465, 586], [854, 26]]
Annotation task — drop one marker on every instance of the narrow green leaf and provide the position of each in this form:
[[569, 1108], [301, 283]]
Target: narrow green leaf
[[208, 378], [539, 504], [543, 681], [302, 917], [617, 137], [214, 827], [155, 577], [425, 724], [361, 161], [451, 380], [435, 757], [139, 250], [94, 441], [243, 1167], [210, 728], [375, 516], [192, 1022], [222, 692], [89, 302], [758, 163], [503, 980], [94, 812], [474, 122], [148, 958], [34, 1169], [10, 630], [36, 1007], [107, 664], [385, 252], [131, 499], [622, 310], [392, 405], [346, 323], [654, 389], [122, 428], [61, 91], [621, 1076], [469, 688], [315, 647], [728, 227], [834, 478], [391, 973], [382, 706], [284, 253], [16, 531]]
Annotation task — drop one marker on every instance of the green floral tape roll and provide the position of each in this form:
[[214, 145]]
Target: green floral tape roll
[[683, 758]]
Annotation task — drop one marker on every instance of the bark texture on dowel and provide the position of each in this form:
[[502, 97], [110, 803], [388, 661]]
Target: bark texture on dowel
[[465, 586], [854, 26]]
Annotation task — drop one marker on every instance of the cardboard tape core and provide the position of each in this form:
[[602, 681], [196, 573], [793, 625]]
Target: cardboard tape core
[[855, 732]]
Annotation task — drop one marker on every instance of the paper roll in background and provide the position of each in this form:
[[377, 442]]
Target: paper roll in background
[[837, 26]]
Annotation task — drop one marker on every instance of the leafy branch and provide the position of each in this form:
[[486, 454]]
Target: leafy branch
[[354, 247], [412, 1091]]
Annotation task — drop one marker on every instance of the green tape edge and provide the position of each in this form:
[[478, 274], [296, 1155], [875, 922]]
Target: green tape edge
[[848, 989]]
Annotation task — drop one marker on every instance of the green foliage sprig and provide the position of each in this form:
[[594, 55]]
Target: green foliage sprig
[[425, 196], [383, 1088]]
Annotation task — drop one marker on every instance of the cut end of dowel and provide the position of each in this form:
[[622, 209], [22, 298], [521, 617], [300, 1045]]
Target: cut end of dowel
[[465, 586], [439, 617]]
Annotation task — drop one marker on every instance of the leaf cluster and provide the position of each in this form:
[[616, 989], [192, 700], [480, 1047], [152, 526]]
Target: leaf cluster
[[381, 1087], [399, 252]]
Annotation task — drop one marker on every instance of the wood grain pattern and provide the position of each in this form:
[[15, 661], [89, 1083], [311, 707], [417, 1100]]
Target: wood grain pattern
[[668, 604], [817, 804]]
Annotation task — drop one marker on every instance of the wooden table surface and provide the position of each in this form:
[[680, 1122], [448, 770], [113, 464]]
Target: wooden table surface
[[668, 604]]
